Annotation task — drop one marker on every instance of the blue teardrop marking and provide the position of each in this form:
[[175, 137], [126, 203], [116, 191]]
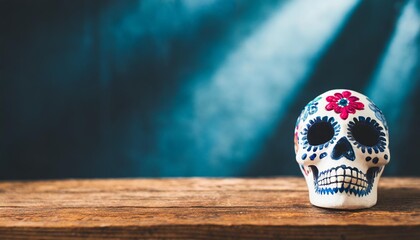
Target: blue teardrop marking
[[375, 160], [304, 156], [313, 156], [386, 157], [324, 154]]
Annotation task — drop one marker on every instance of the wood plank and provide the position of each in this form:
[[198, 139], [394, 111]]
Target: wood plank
[[199, 208]]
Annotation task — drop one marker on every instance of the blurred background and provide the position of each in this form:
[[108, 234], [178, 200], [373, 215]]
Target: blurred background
[[164, 88]]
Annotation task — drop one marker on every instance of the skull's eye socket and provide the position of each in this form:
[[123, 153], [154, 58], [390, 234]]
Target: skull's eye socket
[[365, 131], [320, 132], [367, 134]]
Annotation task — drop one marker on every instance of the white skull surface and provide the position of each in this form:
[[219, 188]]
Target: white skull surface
[[341, 146]]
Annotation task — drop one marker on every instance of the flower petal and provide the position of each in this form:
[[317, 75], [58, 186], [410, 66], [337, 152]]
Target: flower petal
[[330, 106], [332, 99], [346, 94], [338, 95], [353, 98], [350, 109], [338, 109], [358, 105], [344, 115]]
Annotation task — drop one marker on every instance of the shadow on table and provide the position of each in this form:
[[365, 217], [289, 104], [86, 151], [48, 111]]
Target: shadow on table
[[401, 199]]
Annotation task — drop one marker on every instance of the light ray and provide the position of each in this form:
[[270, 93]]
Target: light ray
[[222, 119], [397, 75], [393, 79]]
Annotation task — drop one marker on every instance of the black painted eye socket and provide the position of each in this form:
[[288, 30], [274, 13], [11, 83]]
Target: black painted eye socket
[[320, 133], [365, 133]]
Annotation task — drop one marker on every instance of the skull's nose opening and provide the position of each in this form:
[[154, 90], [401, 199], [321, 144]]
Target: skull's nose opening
[[314, 172], [371, 174], [343, 148]]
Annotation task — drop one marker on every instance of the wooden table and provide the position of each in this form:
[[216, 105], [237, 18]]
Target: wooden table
[[273, 208]]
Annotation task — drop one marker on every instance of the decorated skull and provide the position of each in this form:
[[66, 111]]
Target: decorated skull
[[341, 146]]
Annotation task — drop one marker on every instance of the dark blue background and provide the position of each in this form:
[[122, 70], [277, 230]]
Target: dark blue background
[[194, 88]]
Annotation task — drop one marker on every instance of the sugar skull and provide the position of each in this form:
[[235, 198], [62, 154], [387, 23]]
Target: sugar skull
[[341, 146]]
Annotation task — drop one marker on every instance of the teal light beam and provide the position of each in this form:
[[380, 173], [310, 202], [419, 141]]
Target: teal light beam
[[223, 118]]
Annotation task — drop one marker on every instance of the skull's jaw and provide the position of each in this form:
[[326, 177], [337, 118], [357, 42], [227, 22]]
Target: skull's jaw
[[343, 187]]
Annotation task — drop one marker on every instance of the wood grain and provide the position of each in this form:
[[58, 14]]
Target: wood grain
[[273, 208]]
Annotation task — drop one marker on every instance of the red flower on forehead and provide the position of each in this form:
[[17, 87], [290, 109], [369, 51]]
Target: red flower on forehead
[[344, 104]]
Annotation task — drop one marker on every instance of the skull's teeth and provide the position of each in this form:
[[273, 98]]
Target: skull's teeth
[[345, 178]]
